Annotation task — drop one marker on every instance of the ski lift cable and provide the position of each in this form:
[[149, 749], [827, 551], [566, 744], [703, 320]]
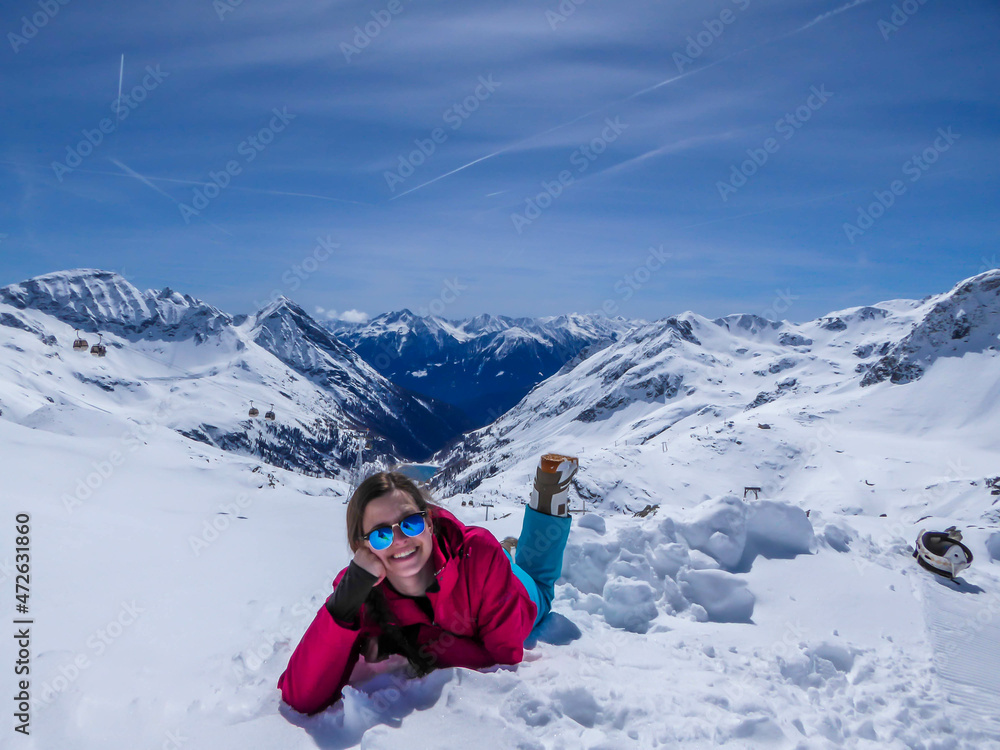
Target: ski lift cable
[[183, 371], [193, 375]]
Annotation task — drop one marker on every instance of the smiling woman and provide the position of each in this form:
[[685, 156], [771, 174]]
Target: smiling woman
[[425, 586]]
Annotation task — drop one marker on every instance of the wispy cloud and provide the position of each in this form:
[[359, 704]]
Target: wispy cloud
[[683, 144]]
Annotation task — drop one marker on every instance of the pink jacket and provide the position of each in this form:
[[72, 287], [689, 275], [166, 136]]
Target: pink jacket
[[482, 614]]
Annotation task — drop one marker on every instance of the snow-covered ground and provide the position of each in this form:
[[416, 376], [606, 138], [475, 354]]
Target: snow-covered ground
[[170, 580]]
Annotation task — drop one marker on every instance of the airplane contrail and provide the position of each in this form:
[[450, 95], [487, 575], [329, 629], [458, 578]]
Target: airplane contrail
[[459, 169], [640, 92], [118, 103], [132, 173], [147, 179], [563, 125], [824, 16], [201, 183]]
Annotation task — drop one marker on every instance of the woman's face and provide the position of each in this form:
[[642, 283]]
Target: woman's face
[[407, 556]]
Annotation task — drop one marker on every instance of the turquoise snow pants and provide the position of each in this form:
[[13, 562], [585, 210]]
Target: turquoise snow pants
[[539, 558]]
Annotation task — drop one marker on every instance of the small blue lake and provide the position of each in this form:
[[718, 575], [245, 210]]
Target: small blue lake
[[417, 472]]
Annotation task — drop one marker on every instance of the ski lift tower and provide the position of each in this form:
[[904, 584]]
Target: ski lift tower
[[359, 447]]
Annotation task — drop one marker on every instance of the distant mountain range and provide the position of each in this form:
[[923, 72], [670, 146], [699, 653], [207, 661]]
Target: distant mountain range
[[404, 387], [483, 365], [403, 384]]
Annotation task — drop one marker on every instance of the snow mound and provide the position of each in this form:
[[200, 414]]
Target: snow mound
[[681, 567], [993, 546], [723, 596]]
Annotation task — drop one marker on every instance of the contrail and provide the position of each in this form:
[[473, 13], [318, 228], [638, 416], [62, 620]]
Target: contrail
[[148, 179], [118, 103], [298, 195], [200, 183], [562, 125], [680, 145], [448, 174], [132, 173], [824, 16], [640, 92]]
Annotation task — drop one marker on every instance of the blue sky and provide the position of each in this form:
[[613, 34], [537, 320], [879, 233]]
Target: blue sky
[[522, 158]]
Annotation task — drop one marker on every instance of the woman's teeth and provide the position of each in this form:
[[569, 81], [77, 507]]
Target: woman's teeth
[[402, 555]]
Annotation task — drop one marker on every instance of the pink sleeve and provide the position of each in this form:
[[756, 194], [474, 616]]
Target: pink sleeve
[[320, 665]]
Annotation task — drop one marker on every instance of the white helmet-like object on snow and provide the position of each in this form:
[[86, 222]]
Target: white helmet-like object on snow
[[942, 552]]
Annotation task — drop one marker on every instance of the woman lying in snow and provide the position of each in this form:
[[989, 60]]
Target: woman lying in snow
[[424, 585]]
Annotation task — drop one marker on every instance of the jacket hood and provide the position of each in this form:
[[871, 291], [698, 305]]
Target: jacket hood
[[449, 533]]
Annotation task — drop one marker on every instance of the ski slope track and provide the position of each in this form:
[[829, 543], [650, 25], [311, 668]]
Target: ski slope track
[[964, 631], [174, 569]]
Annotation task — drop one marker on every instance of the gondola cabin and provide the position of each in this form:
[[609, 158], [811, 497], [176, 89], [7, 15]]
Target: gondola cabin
[[80, 344], [98, 349]]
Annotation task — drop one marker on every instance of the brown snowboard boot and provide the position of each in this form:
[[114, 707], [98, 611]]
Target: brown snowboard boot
[[552, 478]]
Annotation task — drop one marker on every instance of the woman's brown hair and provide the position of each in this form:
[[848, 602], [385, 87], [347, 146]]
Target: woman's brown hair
[[392, 638]]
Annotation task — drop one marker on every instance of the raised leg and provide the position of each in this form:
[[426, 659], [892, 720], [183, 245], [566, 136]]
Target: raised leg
[[545, 530]]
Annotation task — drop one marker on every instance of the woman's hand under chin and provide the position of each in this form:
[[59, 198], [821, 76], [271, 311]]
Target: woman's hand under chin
[[366, 559]]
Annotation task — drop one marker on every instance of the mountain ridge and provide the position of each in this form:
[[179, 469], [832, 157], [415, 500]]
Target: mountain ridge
[[686, 372]]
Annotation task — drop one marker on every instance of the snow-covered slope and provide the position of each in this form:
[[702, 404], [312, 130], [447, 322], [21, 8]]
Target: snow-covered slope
[[485, 364], [949, 325], [177, 361]]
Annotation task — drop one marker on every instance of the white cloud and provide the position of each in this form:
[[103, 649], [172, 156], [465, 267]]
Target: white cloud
[[354, 316], [348, 316]]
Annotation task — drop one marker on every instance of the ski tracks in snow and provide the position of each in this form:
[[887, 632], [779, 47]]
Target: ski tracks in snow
[[963, 626]]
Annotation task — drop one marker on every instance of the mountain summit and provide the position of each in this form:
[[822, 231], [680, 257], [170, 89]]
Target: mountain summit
[[93, 300]]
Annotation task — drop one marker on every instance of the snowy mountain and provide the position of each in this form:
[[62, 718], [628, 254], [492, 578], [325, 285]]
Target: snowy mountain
[[712, 380], [101, 300], [483, 365], [952, 325], [170, 348]]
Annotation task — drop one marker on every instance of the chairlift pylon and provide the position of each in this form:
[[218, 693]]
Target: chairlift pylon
[[254, 411], [98, 349], [80, 344]]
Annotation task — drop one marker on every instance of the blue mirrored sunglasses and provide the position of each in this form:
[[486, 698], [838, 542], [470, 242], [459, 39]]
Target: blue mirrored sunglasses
[[381, 538]]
